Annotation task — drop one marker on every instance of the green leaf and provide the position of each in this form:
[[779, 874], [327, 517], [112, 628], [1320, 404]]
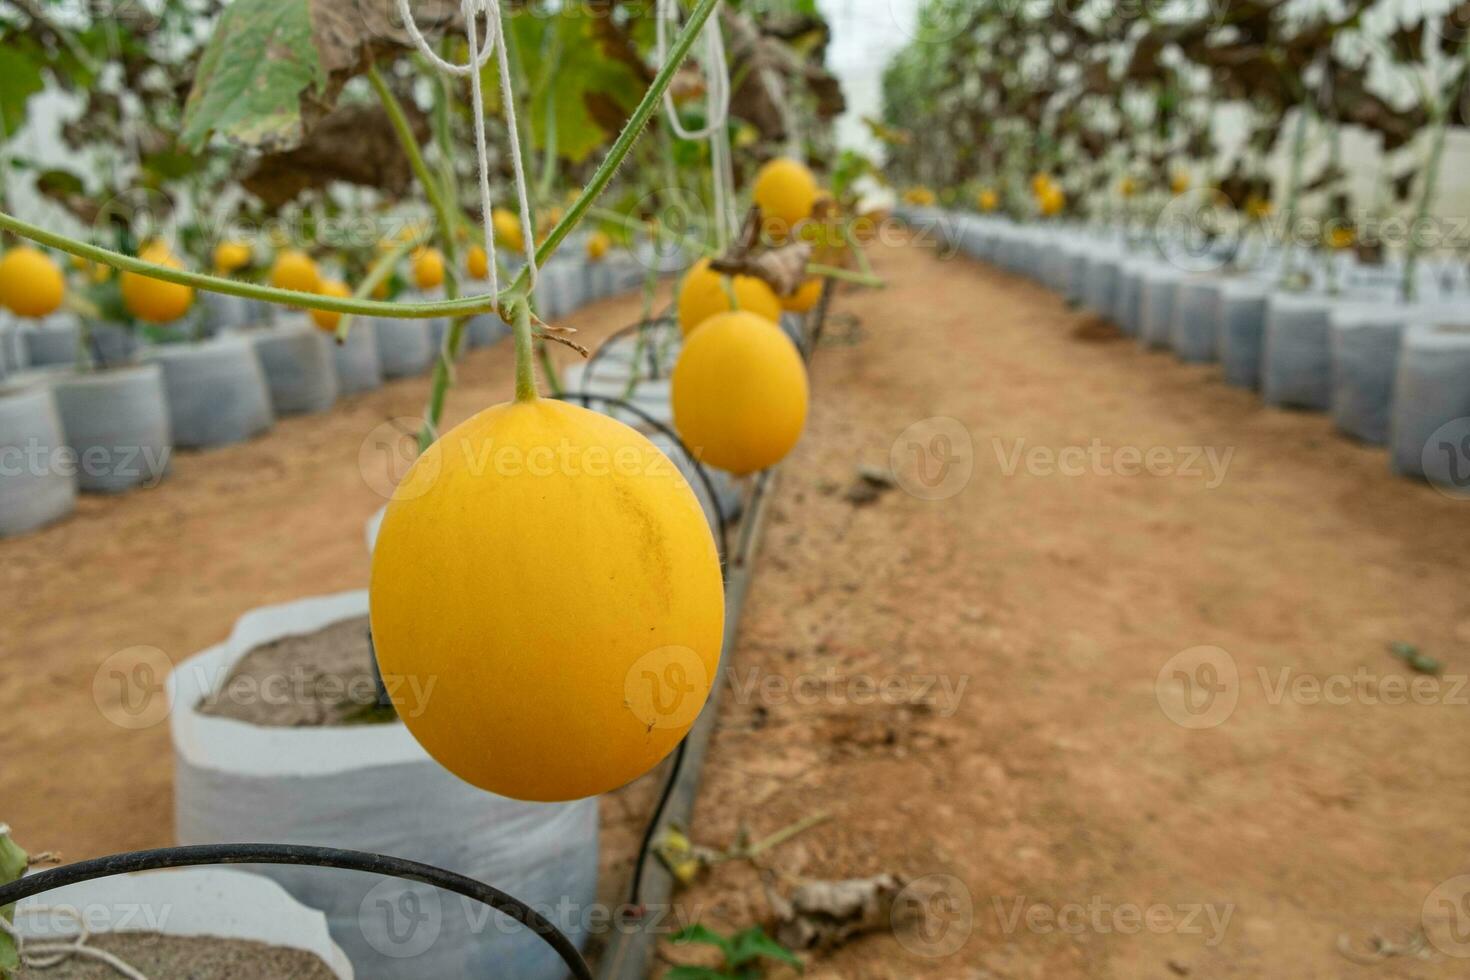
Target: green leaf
[[251, 77], [171, 164], [20, 78], [58, 182], [575, 90], [704, 936], [753, 944]]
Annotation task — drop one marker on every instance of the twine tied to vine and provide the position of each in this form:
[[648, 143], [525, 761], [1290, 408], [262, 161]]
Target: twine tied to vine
[[716, 127], [479, 56]]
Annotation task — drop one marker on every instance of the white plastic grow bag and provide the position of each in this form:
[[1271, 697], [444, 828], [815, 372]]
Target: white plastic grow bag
[[13, 356], [356, 360], [1431, 391], [52, 340], [1128, 297], [217, 902], [1296, 353], [373, 788], [405, 347], [1296, 363], [216, 391], [298, 364], [36, 487], [1196, 311], [1240, 322], [1102, 284], [650, 396], [1158, 289], [116, 421], [223, 311], [485, 329], [1365, 354]]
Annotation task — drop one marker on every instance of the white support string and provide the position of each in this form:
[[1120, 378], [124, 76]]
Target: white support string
[[716, 127], [478, 58], [45, 955]]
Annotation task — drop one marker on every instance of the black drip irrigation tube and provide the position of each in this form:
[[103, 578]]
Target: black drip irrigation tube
[[301, 855], [652, 326]]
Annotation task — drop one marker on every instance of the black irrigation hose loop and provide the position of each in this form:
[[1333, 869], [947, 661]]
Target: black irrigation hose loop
[[722, 537], [662, 322], [309, 856], [656, 818]]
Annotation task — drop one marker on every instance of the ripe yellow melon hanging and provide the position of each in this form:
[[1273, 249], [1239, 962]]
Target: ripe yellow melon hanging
[[739, 392], [428, 268], [327, 319], [786, 192], [477, 263], [31, 283], [546, 580], [507, 228], [231, 256], [597, 245], [705, 294], [296, 270], [1052, 200], [804, 298], [154, 300]]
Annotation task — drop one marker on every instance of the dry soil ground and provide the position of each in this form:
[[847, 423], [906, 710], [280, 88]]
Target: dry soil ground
[[985, 688]]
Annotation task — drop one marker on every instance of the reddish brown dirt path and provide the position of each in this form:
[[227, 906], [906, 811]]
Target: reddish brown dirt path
[[1058, 784], [1054, 782]]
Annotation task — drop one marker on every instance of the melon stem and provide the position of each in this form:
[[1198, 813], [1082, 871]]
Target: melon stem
[[525, 354]]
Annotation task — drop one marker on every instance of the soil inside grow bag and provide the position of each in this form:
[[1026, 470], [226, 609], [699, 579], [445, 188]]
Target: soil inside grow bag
[[320, 678], [196, 957]]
